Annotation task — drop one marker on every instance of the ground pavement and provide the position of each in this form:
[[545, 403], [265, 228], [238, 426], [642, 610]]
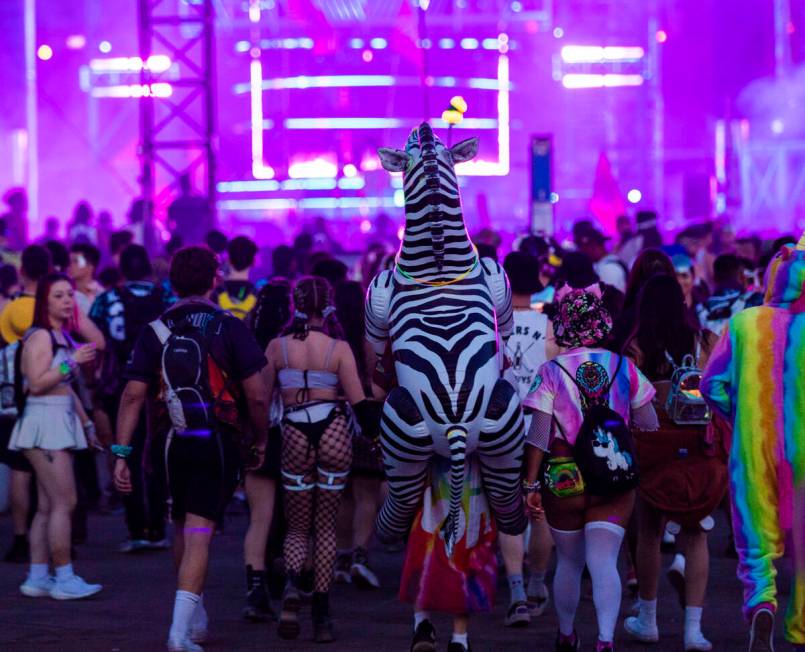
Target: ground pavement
[[132, 613]]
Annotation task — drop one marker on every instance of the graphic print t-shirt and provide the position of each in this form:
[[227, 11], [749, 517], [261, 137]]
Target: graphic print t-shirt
[[525, 349], [554, 392]]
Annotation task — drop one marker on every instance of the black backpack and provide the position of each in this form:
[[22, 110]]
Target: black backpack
[[604, 448], [138, 312], [192, 382]]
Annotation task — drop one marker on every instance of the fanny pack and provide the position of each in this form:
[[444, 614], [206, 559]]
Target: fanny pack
[[562, 477]]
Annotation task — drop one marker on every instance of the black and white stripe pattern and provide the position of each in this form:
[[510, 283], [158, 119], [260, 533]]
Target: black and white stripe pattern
[[444, 340]]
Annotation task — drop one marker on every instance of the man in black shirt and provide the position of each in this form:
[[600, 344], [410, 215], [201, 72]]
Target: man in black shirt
[[238, 294], [203, 465]]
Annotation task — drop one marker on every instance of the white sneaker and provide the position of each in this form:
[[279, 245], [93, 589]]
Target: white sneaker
[[697, 642], [643, 633], [74, 588], [183, 645], [38, 588], [160, 544], [134, 545], [198, 625]]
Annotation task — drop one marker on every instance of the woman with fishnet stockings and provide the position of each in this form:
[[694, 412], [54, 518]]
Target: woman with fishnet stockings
[[309, 363]]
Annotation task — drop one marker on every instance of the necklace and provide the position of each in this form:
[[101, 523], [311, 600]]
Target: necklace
[[439, 284]]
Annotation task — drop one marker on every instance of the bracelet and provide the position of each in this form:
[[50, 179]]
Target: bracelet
[[532, 487], [121, 451]]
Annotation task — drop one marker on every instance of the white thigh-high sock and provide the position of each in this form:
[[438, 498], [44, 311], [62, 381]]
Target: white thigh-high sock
[[567, 581], [198, 621], [183, 608], [603, 541]]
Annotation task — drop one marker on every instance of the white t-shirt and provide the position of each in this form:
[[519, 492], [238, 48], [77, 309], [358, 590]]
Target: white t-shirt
[[611, 271], [525, 349]]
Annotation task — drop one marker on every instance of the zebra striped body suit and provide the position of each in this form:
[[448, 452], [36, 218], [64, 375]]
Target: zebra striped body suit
[[442, 310]]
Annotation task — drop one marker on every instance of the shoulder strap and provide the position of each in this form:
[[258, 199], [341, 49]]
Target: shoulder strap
[[162, 331], [329, 356], [615, 375], [284, 347], [577, 384]]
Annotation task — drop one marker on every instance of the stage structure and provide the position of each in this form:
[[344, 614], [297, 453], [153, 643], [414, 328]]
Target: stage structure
[[177, 99]]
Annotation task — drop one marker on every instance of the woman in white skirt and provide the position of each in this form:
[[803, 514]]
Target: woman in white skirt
[[51, 425]]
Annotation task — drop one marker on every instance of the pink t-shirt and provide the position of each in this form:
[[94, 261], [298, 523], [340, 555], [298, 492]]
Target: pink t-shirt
[[554, 392]]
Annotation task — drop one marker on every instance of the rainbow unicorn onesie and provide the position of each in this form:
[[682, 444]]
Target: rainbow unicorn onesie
[[756, 379]]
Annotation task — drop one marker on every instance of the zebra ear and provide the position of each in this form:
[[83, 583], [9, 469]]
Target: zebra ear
[[465, 150], [393, 160]]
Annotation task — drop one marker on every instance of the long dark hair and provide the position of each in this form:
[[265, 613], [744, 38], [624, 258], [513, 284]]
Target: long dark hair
[[41, 312], [350, 309], [272, 312], [646, 265], [313, 297], [662, 326]]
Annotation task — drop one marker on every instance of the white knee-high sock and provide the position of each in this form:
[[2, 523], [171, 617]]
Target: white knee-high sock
[[567, 581], [603, 543], [183, 608]]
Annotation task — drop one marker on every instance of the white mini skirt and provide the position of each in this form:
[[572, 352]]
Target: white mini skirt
[[50, 423]]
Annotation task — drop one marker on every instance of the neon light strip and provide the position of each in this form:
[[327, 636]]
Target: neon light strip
[[721, 151], [501, 167], [471, 168], [259, 169], [271, 185], [376, 123], [600, 54], [574, 81], [308, 202], [160, 89], [154, 63], [363, 81]]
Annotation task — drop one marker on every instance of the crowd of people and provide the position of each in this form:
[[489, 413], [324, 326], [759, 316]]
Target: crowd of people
[[166, 381]]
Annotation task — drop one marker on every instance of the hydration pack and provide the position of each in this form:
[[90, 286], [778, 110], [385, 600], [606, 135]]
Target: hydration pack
[[195, 389], [604, 449], [685, 405]]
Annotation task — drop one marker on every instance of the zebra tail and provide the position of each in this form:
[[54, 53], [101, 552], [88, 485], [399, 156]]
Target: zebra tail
[[457, 438]]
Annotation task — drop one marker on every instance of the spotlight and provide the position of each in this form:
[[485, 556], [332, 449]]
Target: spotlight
[[558, 32], [661, 36], [45, 52], [634, 196], [105, 47]]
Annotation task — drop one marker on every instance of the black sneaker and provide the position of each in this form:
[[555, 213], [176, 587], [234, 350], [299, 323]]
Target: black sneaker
[[424, 638], [18, 551], [761, 636], [567, 643], [458, 647]]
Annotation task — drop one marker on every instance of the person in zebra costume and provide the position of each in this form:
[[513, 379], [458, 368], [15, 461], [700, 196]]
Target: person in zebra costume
[[441, 309]]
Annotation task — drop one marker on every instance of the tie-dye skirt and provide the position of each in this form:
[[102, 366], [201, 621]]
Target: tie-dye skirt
[[465, 583]]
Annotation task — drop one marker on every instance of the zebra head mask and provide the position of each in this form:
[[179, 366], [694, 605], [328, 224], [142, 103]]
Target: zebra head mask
[[431, 198]]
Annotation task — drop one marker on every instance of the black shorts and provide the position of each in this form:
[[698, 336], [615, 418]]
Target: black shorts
[[15, 460], [203, 473], [271, 464]]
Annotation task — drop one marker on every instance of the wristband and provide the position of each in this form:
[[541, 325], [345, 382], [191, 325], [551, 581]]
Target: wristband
[[532, 487], [121, 451]]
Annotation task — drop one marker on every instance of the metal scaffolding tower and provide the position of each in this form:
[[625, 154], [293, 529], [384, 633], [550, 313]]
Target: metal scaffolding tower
[[178, 105]]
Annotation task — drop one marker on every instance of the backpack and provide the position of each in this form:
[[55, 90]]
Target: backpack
[[138, 312], [195, 389], [239, 306], [604, 449], [685, 405]]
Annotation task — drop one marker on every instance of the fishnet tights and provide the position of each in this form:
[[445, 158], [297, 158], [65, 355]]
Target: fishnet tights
[[312, 513]]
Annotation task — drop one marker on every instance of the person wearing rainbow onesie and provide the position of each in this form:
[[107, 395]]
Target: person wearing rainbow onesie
[[755, 379]]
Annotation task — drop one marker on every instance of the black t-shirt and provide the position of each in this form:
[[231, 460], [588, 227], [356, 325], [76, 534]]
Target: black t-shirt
[[233, 346]]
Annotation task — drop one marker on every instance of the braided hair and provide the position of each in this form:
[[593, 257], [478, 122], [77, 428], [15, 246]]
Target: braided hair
[[313, 297]]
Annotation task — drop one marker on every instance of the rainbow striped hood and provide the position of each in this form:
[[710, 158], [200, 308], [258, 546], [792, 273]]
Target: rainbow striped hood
[[785, 278]]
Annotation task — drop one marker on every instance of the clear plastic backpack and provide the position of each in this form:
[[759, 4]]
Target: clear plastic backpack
[[686, 405]]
